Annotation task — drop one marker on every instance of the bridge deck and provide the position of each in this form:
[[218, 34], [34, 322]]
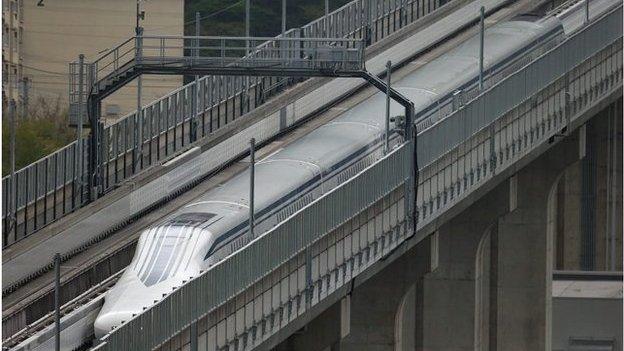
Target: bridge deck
[[309, 97], [516, 127]]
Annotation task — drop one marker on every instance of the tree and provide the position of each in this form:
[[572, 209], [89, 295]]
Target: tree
[[42, 132]]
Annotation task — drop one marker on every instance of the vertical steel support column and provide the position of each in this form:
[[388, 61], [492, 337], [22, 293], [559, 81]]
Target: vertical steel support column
[[57, 302], [283, 17], [369, 22], [193, 130], [252, 171], [12, 199], [79, 124], [93, 110], [327, 19], [388, 80], [481, 39], [138, 128], [411, 134], [247, 20]]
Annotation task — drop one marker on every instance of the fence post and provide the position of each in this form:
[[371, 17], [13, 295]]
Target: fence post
[[388, 78], [369, 22], [481, 39], [193, 124], [327, 19], [283, 17], [79, 123], [252, 171], [94, 117], [57, 302], [138, 127], [247, 29]]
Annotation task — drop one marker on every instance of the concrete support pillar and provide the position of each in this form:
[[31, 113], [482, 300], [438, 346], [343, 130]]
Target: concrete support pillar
[[608, 188], [383, 309], [378, 314], [523, 253], [568, 212], [492, 286], [449, 300]]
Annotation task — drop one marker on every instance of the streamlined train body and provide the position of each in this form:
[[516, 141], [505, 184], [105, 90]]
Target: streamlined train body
[[216, 224]]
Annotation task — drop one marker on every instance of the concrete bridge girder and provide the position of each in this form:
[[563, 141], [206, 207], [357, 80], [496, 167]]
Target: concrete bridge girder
[[488, 287], [537, 140], [513, 257]]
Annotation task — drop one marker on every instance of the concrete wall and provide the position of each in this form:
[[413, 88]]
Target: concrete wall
[[58, 32], [586, 318], [385, 306], [449, 291]]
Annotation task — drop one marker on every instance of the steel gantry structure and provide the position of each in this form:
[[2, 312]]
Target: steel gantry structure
[[296, 57]]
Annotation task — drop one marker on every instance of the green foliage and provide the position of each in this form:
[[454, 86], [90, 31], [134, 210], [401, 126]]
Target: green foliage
[[266, 15], [42, 132]]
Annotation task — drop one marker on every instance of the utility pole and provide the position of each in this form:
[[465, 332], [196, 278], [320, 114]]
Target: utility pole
[[586, 11], [252, 176], [12, 201], [25, 93], [57, 302], [283, 17], [481, 39], [138, 131]]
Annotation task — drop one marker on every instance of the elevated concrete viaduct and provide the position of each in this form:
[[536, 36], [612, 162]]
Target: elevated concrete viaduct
[[482, 280]]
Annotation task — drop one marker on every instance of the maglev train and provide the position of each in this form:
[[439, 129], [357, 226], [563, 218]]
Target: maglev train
[[216, 224]]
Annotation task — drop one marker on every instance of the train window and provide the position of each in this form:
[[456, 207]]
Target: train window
[[190, 219]]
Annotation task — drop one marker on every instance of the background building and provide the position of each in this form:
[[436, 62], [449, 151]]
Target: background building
[[12, 34], [58, 31]]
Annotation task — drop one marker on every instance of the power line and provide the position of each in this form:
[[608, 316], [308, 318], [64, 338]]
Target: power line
[[45, 71]]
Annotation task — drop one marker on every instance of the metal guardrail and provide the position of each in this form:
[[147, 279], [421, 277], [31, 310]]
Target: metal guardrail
[[67, 308], [239, 271], [214, 102], [43, 192], [440, 136], [489, 134], [248, 265], [225, 53]]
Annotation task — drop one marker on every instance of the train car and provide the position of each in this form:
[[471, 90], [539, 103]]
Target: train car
[[216, 224]]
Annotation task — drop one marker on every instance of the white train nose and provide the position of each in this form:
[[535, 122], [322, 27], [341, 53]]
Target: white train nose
[[105, 322]]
